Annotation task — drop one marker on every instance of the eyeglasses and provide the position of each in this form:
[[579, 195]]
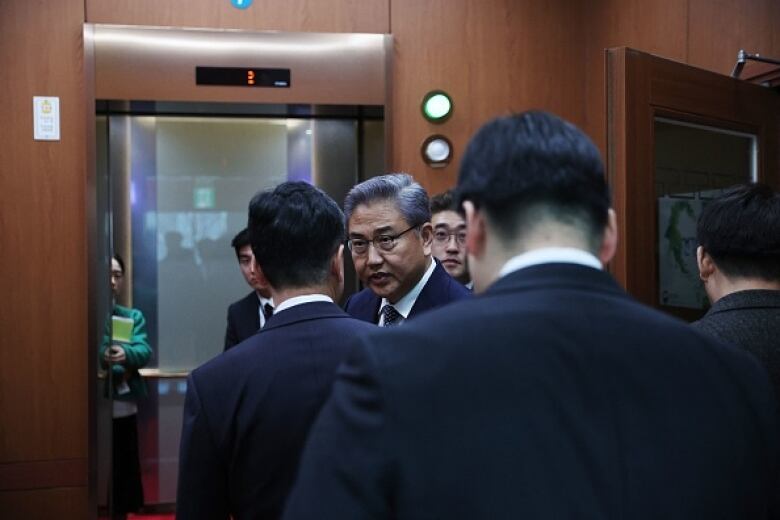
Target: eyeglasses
[[359, 246], [443, 237]]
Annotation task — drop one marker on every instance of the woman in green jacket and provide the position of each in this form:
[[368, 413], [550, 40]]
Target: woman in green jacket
[[124, 357]]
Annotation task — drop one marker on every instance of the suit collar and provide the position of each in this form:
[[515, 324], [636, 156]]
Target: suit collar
[[304, 312], [749, 299], [405, 304], [564, 275], [365, 304], [433, 292]]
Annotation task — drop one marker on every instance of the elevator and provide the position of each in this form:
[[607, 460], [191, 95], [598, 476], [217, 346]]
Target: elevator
[[188, 125]]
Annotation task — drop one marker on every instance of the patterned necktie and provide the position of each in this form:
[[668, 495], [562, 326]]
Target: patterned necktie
[[268, 311], [392, 316]]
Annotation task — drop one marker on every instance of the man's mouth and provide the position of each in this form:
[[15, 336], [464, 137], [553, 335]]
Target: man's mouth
[[450, 261], [379, 278]]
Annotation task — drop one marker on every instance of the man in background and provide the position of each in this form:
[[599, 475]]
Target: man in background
[[449, 237], [553, 394], [739, 263], [390, 237], [248, 411], [248, 315]]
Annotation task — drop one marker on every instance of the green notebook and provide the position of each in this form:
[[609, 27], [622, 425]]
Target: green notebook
[[122, 329]]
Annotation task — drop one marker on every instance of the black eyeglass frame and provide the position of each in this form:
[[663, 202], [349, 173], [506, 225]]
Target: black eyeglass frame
[[457, 234], [390, 241]]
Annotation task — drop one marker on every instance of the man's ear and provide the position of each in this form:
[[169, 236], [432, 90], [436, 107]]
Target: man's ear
[[426, 234], [475, 230], [337, 264], [609, 239], [705, 263]]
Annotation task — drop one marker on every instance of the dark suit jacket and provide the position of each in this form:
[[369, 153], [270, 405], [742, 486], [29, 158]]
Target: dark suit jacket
[[440, 289], [553, 396], [749, 320], [248, 411], [243, 320]]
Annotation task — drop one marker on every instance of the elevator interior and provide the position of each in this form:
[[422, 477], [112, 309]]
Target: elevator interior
[[176, 165]]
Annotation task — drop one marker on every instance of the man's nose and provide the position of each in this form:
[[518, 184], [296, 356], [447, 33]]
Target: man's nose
[[452, 244], [374, 258]]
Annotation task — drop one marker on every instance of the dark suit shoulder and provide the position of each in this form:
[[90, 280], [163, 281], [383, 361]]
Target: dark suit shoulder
[[363, 305], [248, 301], [515, 322]]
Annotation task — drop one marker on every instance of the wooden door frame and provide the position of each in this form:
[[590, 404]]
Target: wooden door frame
[[641, 87]]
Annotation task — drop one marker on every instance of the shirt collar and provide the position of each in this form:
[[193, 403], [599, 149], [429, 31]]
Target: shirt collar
[[299, 300], [263, 300], [260, 314], [550, 255], [405, 304]]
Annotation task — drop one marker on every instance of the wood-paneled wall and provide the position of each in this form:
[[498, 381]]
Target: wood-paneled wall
[[703, 33], [366, 16], [493, 56], [43, 242]]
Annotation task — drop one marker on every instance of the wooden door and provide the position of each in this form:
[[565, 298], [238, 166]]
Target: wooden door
[[647, 94]]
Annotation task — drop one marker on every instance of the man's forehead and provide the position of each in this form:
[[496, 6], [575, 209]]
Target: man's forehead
[[447, 218]]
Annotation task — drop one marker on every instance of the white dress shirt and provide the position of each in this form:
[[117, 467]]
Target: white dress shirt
[[263, 301], [550, 255], [405, 304], [300, 300]]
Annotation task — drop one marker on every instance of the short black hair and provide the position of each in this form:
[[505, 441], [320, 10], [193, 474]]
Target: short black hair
[[294, 230], [521, 166], [240, 240], [445, 201], [741, 231]]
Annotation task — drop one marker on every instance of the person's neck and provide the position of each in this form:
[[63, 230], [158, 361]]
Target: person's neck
[[279, 296], [727, 285]]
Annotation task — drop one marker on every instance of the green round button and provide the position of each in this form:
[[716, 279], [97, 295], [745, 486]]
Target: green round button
[[437, 106]]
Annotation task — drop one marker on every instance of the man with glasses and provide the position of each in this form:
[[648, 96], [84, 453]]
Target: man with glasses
[[449, 237], [390, 237]]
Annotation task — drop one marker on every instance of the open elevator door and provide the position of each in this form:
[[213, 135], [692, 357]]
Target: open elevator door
[[189, 124]]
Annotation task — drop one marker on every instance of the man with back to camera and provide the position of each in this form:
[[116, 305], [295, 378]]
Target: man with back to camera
[[739, 263], [247, 411], [390, 235], [551, 395], [248, 315], [449, 237]]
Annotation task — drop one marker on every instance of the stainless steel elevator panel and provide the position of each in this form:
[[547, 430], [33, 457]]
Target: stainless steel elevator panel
[[152, 63]]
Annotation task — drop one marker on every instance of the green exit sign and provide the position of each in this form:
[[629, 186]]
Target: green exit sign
[[203, 198]]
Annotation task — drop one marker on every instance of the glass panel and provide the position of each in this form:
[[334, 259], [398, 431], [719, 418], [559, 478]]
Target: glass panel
[[159, 433], [693, 163], [182, 185]]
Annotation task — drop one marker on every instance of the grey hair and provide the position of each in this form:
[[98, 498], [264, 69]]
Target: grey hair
[[410, 198]]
